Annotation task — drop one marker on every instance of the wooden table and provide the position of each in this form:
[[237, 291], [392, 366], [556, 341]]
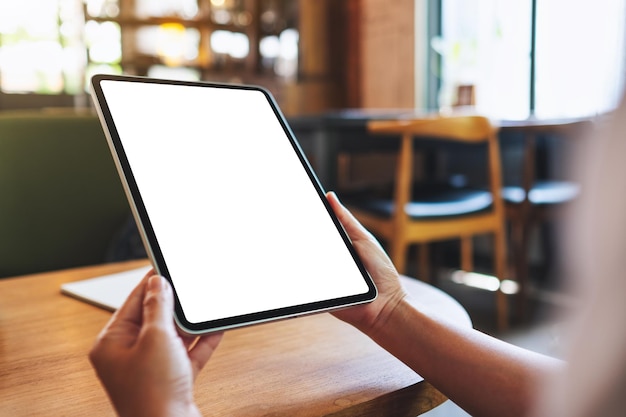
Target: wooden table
[[310, 366], [324, 136]]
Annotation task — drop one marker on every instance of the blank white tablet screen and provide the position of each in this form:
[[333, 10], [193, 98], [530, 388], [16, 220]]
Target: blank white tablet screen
[[239, 224]]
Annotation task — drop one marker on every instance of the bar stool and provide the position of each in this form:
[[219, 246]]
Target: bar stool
[[535, 201]]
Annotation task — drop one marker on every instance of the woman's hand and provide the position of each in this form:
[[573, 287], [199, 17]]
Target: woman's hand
[[146, 367], [369, 317]]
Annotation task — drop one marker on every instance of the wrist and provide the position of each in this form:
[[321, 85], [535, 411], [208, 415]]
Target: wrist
[[193, 411], [393, 308]]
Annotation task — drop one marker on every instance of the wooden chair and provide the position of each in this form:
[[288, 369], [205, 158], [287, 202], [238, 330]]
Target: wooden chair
[[435, 214]]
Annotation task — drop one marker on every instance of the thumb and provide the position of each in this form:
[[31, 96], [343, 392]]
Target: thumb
[[158, 303], [353, 228]]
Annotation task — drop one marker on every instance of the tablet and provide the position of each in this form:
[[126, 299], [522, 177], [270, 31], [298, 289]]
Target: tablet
[[228, 207]]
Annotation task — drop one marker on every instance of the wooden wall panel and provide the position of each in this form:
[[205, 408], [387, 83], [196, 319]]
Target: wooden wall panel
[[388, 53], [320, 85]]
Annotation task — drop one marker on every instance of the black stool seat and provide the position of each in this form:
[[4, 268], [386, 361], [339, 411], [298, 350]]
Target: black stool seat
[[430, 202]]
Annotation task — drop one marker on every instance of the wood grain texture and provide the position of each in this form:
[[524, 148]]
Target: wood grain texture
[[311, 366], [388, 53], [44, 340]]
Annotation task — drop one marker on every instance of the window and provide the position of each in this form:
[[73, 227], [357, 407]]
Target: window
[[41, 47], [54, 46], [574, 68], [579, 57], [191, 39]]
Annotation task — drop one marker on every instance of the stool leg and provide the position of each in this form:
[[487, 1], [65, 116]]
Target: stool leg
[[424, 262], [521, 231], [502, 310]]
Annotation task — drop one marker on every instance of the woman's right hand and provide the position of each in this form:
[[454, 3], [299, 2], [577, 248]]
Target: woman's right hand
[[146, 366], [369, 317]]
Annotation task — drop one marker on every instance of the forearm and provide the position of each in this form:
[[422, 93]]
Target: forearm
[[483, 375]]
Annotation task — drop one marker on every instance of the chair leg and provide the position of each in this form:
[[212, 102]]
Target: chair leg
[[424, 262], [467, 254]]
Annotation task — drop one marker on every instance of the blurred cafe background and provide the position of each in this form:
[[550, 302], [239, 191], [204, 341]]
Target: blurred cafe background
[[333, 66]]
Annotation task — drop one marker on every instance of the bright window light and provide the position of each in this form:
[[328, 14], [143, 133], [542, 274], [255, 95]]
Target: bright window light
[[240, 46], [579, 56], [580, 60], [220, 41], [287, 63], [269, 47], [172, 42], [38, 41], [174, 73], [486, 44], [103, 41], [234, 44], [161, 8], [289, 44]]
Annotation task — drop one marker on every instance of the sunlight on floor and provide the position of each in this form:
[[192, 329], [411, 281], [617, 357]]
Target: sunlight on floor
[[484, 282]]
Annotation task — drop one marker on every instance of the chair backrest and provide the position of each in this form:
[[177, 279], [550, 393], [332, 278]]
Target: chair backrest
[[61, 200], [471, 129], [466, 129]]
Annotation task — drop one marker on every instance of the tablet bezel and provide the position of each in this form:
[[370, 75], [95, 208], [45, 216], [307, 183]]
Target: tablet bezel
[[149, 237]]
